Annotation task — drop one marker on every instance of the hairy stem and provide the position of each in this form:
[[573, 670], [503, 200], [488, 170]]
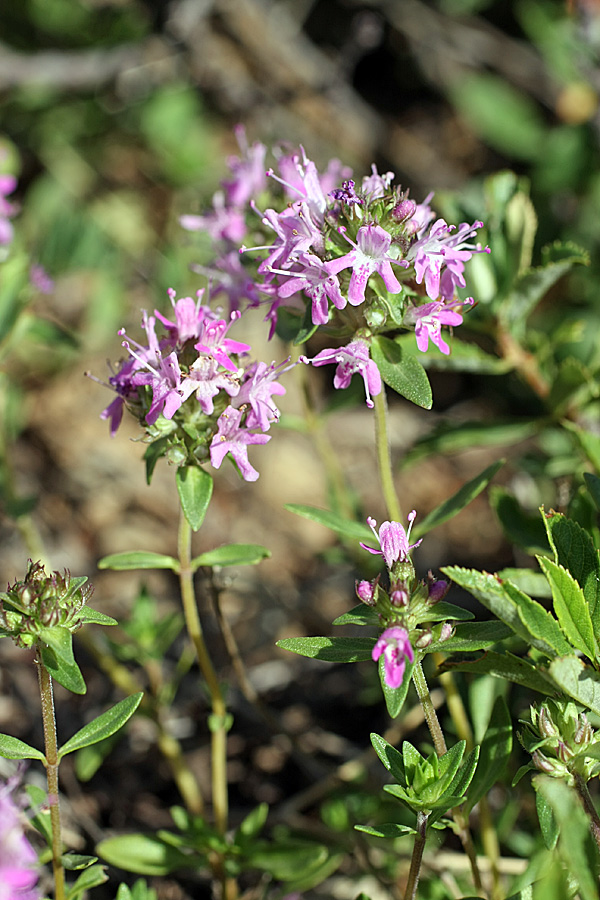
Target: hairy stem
[[417, 857], [384, 457], [588, 804], [51, 750]]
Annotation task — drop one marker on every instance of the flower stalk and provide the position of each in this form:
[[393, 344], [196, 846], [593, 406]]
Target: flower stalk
[[417, 857], [384, 457], [52, 762]]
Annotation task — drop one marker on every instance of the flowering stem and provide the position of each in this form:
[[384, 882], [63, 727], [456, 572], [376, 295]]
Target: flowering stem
[[417, 857], [218, 724], [384, 458], [51, 749], [588, 804], [439, 742]]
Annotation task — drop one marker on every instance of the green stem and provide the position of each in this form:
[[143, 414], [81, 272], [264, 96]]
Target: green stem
[[417, 857], [384, 457], [218, 721], [439, 742], [51, 748]]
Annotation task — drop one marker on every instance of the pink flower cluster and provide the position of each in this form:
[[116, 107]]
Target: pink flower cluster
[[18, 859]]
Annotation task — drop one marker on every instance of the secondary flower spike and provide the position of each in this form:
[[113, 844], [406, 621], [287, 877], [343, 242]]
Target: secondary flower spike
[[396, 649]]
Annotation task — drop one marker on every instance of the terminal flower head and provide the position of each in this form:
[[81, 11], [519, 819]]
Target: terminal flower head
[[396, 648], [393, 540]]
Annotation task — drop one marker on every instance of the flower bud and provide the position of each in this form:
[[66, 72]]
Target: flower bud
[[399, 596], [424, 640], [404, 210], [542, 763], [546, 726], [365, 591], [437, 591], [447, 631]]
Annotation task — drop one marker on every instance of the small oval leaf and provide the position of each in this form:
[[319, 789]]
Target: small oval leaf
[[232, 555], [103, 726], [138, 559], [13, 748], [195, 488]]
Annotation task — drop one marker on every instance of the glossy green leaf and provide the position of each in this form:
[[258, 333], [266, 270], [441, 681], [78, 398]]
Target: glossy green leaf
[[153, 453], [578, 681], [232, 555], [195, 487], [575, 551], [570, 607], [391, 758], [506, 666], [67, 674], [91, 616], [334, 649], [331, 520], [453, 505], [138, 559], [394, 697], [89, 878], [472, 636], [13, 748], [574, 844], [103, 726], [494, 753], [143, 854], [60, 640], [402, 371]]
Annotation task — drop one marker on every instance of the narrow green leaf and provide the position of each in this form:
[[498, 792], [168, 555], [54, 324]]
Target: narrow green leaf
[[458, 786], [452, 438], [593, 485], [91, 616], [472, 636], [67, 674], [578, 681], [74, 862], [103, 726], [195, 488], [152, 455], [334, 649], [331, 520], [232, 555], [390, 757], [506, 666], [143, 854], [390, 831], [570, 607], [40, 820], [575, 551], [539, 622], [138, 559], [443, 611], [89, 878], [575, 841], [548, 825], [394, 697], [494, 754], [358, 615], [453, 505], [401, 371], [13, 748], [254, 822]]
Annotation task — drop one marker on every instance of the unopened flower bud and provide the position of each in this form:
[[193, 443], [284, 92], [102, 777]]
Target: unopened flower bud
[[546, 726], [437, 591], [365, 591], [585, 732], [424, 640], [543, 763], [404, 210], [564, 752], [446, 632], [399, 596]]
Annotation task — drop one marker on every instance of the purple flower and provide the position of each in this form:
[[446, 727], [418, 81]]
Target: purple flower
[[228, 276], [223, 223], [393, 540], [8, 184], [370, 254], [429, 318], [189, 317], [352, 359], [40, 279], [248, 171], [442, 248], [232, 438], [18, 877], [257, 390], [296, 233], [301, 178], [375, 185], [396, 649], [317, 283], [214, 343]]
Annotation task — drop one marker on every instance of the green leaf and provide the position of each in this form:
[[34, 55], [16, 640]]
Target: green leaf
[[358, 615], [195, 488], [505, 666], [530, 288], [60, 640], [578, 681], [443, 611], [74, 862], [463, 358], [593, 485], [589, 443], [575, 843], [391, 758], [548, 825], [288, 862], [472, 636], [458, 786], [401, 371], [528, 619], [254, 822], [331, 520], [89, 878], [570, 607], [40, 820], [91, 616], [394, 697], [390, 831], [453, 438], [521, 528], [67, 674], [575, 551], [528, 581], [494, 753], [334, 649], [143, 854], [453, 505], [232, 555], [13, 748], [138, 559], [102, 726]]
